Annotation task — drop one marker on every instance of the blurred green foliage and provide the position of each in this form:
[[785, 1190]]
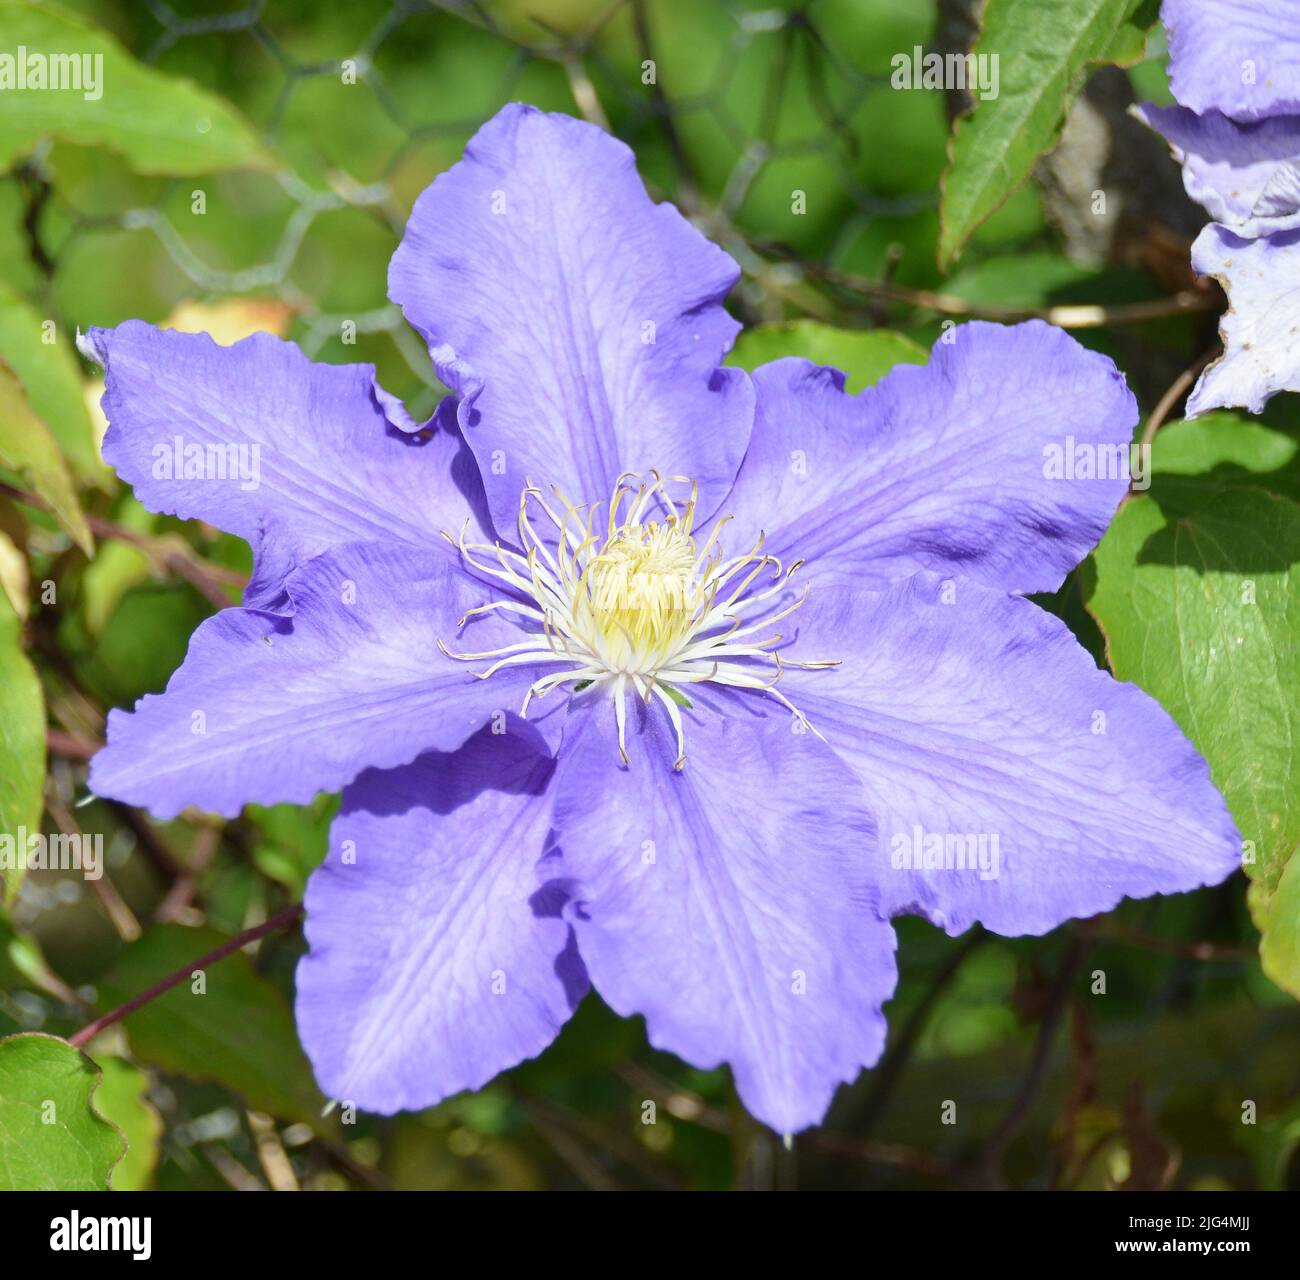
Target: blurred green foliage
[[325, 122]]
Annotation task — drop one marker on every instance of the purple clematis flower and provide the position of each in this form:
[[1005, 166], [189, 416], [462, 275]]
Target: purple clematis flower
[[1261, 329], [637, 672], [1238, 57], [1246, 176], [1234, 65]]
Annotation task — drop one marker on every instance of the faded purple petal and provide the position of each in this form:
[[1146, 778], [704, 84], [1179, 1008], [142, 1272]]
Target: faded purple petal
[[580, 323], [728, 903], [968, 713], [311, 459], [271, 709], [969, 465], [436, 961], [1261, 328], [1241, 57], [1245, 175]]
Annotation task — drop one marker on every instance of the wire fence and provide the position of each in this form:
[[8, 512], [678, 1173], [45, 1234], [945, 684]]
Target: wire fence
[[802, 79]]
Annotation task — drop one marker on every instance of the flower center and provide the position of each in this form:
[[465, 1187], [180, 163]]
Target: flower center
[[636, 604], [641, 594]]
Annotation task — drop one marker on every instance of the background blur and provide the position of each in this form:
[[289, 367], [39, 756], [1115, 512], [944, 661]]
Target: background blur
[[1056, 1084]]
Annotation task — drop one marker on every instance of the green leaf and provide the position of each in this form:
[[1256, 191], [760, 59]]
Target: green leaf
[[1278, 916], [236, 1031], [293, 840], [1044, 48], [49, 371], [1026, 280], [1198, 594], [157, 123], [1224, 450], [22, 741], [28, 447], [865, 355], [15, 575], [51, 1137], [118, 566], [141, 644], [23, 965], [121, 1100]]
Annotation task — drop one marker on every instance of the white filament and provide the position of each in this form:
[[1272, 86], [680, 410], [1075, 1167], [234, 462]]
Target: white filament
[[637, 605]]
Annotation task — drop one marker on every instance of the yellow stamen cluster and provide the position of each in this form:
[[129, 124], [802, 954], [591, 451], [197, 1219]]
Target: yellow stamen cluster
[[635, 604]]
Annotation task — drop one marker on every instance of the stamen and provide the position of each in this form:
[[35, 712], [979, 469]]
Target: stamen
[[620, 716], [675, 718], [637, 607]]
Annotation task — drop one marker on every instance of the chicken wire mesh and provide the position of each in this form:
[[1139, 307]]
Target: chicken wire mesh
[[757, 120]]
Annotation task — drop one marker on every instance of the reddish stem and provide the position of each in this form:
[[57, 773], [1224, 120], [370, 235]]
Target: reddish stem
[[92, 1029]]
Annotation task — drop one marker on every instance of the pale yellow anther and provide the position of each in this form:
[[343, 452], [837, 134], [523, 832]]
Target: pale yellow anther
[[636, 604]]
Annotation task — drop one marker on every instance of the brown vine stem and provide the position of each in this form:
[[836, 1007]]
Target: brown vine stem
[[1177, 389], [893, 1065], [120, 916], [276, 922], [1226, 953], [69, 746], [207, 579], [1066, 316], [988, 1168]]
